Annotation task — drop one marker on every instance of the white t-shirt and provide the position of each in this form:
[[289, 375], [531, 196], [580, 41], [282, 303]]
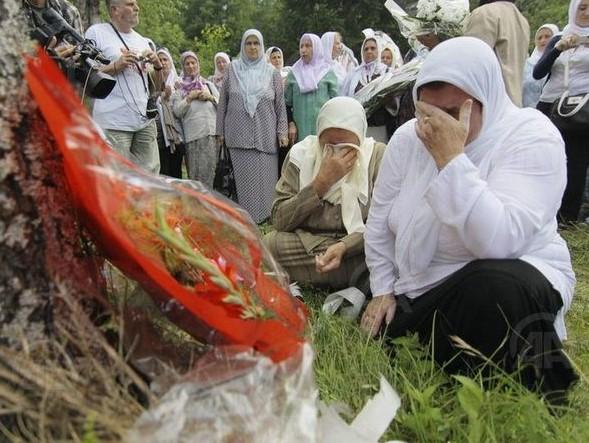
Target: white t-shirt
[[124, 108]]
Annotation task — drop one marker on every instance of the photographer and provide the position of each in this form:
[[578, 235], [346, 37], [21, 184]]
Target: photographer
[[126, 115], [35, 8]]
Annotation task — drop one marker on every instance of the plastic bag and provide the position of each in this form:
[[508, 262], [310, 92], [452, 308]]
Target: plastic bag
[[447, 17], [183, 245], [236, 396]]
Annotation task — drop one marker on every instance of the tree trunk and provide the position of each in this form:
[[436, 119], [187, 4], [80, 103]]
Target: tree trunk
[[90, 11], [40, 242], [25, 301]]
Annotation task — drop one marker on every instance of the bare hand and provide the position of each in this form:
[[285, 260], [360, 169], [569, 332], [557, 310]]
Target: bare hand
[[569, 42], [167, 92], [443, 135], [152, 58], [334, 166], [63, 50], [128, 58], [292, 133], [195, 94], [379, 309], [331, 259], [220, 140], [283, 142]]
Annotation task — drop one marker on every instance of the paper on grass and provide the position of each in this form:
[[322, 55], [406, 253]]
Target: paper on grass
[[368, 426]]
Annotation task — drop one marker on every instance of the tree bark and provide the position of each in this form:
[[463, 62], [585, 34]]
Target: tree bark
[[41, 252], [25, 302], [89, 10]]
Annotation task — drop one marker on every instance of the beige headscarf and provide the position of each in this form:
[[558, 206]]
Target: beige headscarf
[[353, 189]]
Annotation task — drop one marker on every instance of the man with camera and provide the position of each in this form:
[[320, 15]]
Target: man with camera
[[127, 114], [35, 8]]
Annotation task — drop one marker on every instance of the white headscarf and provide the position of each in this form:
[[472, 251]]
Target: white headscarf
[[470, 65], [572, 27], [536, 53], [308, 75], [397, 57], [218, 76], [328, 40], [172, 77], [253, 75], [353, 189], [284, 70], [364, 73]]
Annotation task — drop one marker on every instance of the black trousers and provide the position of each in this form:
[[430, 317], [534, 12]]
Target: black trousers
[[171, 163], [505, 309], [577, 151]]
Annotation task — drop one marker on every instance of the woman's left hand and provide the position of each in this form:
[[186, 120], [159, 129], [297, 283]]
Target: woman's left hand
[[443, 135], [331, 259], [283, 142]]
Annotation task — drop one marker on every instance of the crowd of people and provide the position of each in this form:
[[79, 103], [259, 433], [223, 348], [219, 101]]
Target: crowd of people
[[450, 225]]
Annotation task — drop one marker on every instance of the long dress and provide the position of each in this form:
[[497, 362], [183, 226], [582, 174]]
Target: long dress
[[305, 107], [253, 141]]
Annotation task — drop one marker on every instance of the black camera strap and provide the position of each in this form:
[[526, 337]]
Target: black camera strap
[[139, 71]]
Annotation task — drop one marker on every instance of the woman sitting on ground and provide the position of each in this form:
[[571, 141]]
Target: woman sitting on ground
[[323, 196], [462, 240]]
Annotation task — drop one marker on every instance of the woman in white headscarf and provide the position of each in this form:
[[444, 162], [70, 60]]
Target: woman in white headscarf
[[309, 85], [370, 69], [323, 196], [391, 56], [566, 59], [251, 121], [332, 47], [275, 57], [532, 88], [221, 61], [169, 129], [461, 239]]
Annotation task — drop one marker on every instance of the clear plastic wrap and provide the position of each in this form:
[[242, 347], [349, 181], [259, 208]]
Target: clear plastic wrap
[[447, 17], [234, 396]]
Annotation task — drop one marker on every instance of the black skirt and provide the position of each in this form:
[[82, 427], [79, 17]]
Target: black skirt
[[504, 309]]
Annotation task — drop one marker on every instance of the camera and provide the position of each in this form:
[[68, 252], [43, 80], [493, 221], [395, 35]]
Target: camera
[[85, 64]]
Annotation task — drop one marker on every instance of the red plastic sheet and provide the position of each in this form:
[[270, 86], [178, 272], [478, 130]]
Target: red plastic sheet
[[122, 205]]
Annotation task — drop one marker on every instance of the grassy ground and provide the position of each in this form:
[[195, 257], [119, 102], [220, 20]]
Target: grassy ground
[[440, 408]]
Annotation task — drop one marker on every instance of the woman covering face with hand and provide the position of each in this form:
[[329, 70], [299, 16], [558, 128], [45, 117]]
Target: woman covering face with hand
[[322, 198], [461, 239]]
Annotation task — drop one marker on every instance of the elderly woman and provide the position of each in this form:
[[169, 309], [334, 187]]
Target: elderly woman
[[332, 48], [370, 69], [308, 86], [275, 57], [169, 128], [461, 239], [323, 196], [251, 121], [532, 88], [566, 60], [221, 61], [195, 104]]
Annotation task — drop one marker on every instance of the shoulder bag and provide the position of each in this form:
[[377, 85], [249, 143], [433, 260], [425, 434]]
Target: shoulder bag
[[224, 181], [570, 113]]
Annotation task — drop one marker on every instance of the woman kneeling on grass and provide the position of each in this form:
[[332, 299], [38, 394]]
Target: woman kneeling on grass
[[461, 239], [322, 198]]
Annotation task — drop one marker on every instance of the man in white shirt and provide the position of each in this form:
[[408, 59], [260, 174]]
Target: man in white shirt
[[123, 114]]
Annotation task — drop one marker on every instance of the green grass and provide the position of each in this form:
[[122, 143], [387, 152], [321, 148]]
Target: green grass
[[439, 408]]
